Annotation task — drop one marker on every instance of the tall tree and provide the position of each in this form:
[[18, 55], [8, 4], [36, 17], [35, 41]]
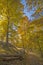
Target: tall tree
[[12, 12], [36, 35], [23, 31]]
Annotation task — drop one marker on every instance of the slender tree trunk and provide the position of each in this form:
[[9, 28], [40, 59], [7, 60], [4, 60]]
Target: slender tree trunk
[[7, 33], [40, 50], [40, 47]]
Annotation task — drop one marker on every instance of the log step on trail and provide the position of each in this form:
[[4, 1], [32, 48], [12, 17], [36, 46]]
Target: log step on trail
[[10, 57]]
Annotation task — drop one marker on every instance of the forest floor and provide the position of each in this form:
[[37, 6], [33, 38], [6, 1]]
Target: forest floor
[[30, 59]]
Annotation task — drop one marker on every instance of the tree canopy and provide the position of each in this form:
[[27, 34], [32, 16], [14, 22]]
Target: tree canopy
[[36, 6]]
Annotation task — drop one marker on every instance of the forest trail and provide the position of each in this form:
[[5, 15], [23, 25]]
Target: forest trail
[[33, 59], [29, 59]]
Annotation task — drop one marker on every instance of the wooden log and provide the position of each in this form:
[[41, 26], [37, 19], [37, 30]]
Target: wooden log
[[10, 57]]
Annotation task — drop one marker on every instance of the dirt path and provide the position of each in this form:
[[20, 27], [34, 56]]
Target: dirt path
[[29, 59]]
